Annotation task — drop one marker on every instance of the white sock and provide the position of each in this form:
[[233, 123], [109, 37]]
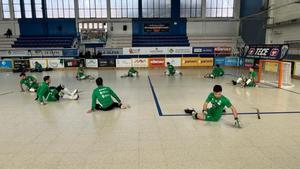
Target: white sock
[[239, 80], [248, 81], [69, 97], [67, 91]]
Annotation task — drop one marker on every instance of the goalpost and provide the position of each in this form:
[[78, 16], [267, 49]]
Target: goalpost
[[275, 73]]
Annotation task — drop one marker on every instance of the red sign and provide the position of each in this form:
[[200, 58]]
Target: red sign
[[156, 62]]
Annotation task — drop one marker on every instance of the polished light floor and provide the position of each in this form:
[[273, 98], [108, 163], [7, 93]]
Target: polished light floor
[[62, 135]]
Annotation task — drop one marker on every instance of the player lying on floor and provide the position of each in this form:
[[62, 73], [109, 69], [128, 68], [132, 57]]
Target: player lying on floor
[[218, 102], [38, 68], [216, 72], [171, 71], [29, 81], [51, 94], [104, 96], [247, 81], [131, 73], [81, 75]]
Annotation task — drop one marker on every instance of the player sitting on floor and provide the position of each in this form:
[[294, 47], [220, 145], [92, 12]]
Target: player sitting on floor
[[29, 81], [104, 95], [217, 72], [131, 73], [81, 75], [218, 102], [247, 82], [171, 70], [46, 93]]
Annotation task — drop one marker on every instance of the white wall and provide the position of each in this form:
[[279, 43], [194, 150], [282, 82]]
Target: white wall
[[9, 24], [212, 28], [118, 28], [283, 13]]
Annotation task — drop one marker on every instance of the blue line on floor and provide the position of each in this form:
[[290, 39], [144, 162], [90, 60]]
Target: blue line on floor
[[155, 98]]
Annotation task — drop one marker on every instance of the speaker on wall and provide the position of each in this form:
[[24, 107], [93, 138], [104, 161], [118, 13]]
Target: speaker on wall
[[124, 27]]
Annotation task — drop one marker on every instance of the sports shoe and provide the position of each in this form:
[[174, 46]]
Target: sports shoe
[[75, 92], [194, 115], [234, 82]]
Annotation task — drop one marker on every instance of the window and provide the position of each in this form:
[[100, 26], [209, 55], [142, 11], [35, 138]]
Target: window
[[27, 7], [6, 10], [219, 8], [92, 8], [60, 9], [124, 8], [38, 9], [156, 8], [17, 8], [190, 8]]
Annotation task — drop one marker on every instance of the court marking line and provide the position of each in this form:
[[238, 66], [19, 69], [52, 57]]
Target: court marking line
[[160, 113]]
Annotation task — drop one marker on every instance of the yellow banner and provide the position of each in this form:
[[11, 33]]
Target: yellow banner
[[206, 62], [190, 61]]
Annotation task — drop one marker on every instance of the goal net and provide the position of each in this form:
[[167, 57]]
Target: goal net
[[275, 73]]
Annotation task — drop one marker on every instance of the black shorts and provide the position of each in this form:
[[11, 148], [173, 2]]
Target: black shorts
[[112, 106]]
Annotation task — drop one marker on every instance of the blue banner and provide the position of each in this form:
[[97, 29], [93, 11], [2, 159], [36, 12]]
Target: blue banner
[[203, 50], [219, 61], [70, 52], [6, 64], [231, 61]]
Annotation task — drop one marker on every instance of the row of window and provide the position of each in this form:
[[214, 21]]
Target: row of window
[[119, 8]]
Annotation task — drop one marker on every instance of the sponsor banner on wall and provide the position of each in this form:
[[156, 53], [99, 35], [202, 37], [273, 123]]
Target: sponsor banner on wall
[[203, 50], [267, 51], [297, 69], [231, 61], [56, 63], [206, 62], [14, 53], [43, 62], [123, 63], [72, 62], [110, 51], [179, 50], [156, 62], [70, 52], [18, 63], [248, 62], [140, 62], [52, 52], [219, 61], [107, 63], [173, 61], [222, 50], [6, 64], [156, 27], [91, 63], [190, 61]]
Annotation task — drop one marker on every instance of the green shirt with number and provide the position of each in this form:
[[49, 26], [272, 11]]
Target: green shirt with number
[[30, 82], [44, 93], [104, 96], [218, 104], [171, 69]]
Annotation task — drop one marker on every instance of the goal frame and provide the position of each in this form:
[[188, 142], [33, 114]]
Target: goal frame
[[280, 73]]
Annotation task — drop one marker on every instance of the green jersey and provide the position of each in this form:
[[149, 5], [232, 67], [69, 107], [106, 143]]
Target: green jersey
[[218, 104], [80, 71], [252, 75], [131, 71], [171, 69], [45, 93], [38, 66], [104, 96], [30, 82], [217, 71]]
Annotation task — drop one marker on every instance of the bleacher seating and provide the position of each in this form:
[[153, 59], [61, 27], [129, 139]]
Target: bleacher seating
[[166, 40], [43, 42], [6, 43]]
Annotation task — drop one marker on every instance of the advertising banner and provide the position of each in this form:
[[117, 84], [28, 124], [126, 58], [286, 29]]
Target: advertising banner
[[91, 63], [6, 64], [56, 63], [140, 62], [156, 62], [107, 63], [190, 61], [223, 50], [109, 51], [72, 62], [156, 27], [179, 50], [267, 51], [70, 52], [231, 61], [203, 50], [43, 62], [206, 62], [248, 62], [219, 61], [19, 63], [174, 61], [123, 63]]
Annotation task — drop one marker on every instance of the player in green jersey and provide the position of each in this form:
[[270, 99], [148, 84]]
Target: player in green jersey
[[131, 73], [216, 72], [219, 102], [29, 81], [171, 71], [249, 81], [104, 96], [46, 93], [81, 75]]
